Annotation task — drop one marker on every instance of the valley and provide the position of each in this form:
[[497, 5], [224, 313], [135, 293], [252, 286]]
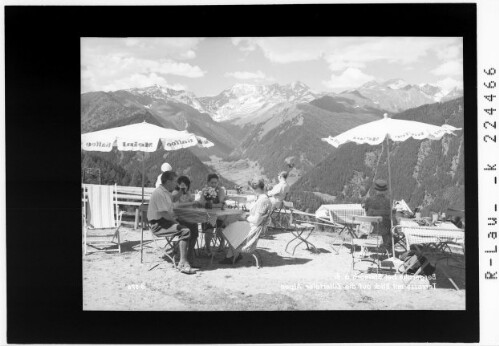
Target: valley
[[265, 129]]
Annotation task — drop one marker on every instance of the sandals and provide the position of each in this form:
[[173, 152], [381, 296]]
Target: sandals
[[186, 270]]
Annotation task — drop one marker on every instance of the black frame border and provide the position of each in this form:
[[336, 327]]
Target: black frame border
[[44, 275]]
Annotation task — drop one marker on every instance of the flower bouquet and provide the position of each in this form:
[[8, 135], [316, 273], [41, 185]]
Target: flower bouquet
[[209, 195]]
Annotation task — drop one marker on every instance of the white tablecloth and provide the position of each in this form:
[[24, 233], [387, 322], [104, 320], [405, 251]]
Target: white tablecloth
[[445, 232]]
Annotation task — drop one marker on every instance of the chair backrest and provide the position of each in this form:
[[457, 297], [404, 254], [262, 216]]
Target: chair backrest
[[100, 206], [368, 219]]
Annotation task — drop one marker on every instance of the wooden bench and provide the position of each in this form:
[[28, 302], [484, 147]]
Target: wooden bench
[[131, 196]]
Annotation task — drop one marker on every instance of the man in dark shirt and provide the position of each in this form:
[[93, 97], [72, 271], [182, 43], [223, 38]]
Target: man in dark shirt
[[379, 205]]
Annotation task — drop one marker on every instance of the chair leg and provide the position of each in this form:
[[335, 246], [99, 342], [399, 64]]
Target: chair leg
[[85, 241], [256, 256], [119, 241]]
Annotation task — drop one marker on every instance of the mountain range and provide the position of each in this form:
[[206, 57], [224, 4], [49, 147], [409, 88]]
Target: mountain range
[[277, 127], [248, 101]]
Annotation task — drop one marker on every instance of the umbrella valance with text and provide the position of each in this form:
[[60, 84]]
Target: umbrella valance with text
[[137, 137], [397, 130]]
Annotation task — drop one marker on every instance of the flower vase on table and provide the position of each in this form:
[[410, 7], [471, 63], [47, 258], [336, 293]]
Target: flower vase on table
[[209, 195]]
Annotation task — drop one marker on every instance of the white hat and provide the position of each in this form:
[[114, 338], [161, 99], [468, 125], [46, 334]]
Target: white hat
[[165, 167]]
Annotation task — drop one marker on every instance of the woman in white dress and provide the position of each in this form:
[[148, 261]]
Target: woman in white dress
[[246, 234]]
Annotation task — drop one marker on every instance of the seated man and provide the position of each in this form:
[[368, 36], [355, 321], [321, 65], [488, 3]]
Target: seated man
[[279, 191], [379, 205], [163, 221]]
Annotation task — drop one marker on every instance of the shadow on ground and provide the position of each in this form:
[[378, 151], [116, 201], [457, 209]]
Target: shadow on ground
[[267, 259]]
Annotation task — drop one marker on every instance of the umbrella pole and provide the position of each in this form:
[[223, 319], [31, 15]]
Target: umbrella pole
[[142, 226], [390, 193], [143, 172]]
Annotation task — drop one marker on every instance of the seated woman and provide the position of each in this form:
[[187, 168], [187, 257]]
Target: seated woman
[[217, 202], [183, 198], [250, 232]]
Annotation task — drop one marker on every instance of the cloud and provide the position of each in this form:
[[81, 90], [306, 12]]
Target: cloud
[[141, 81], [350, 78], [451, 51], [102, 71], [449, 68], [448, 84], [246, 75], [352, 52], [283, 49], [178, 48], [245, 44]]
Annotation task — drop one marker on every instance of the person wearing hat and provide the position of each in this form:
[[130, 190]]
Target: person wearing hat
[[379, 205], [278, 192], [165, 167], [250, 230]]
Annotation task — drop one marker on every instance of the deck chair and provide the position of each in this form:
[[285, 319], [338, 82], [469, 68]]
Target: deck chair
[[437, 243], [369, 241], [249, 244], [169, 249], [101, 218]]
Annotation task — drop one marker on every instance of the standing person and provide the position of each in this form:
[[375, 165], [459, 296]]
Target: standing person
[[379, 205], [183, 198], [218, 201], [257, 214], [165, 167], [278, 193], [163, 221]]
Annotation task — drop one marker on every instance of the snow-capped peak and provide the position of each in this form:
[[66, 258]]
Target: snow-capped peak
[[396, 83]]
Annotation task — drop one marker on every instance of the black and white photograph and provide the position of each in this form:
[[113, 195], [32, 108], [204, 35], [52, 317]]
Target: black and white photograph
[[272, 173]]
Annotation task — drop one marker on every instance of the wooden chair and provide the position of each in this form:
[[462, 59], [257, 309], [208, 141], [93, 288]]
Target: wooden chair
[[369, 241], [169, 249], [101, 218]]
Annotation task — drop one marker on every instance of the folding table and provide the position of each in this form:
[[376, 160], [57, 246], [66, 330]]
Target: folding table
[[343, 214]]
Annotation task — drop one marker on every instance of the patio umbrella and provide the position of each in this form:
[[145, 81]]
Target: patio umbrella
[[375, 132], [142, 137]]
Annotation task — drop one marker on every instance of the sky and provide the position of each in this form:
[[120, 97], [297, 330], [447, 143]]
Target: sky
[[207, 66]]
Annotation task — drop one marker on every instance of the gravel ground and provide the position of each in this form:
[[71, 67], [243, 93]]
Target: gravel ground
[[305, 281]]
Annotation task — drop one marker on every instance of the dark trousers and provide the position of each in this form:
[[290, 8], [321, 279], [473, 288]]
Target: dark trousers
[[166, 228]]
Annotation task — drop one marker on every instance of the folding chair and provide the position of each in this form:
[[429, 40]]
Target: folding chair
[[280, 217], [101, 217], [369, 241], [170, 249], [298, 227]]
